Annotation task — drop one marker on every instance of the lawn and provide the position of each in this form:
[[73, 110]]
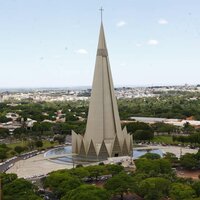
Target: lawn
[[46, 144], [13, 145], [167, 139]]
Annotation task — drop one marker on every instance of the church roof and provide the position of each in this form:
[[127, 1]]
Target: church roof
[[103, 117], [104, 136]]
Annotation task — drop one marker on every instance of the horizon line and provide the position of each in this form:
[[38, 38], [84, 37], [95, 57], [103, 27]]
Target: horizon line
[[90, 86]]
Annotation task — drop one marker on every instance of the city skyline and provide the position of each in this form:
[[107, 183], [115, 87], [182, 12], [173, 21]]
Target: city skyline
[[53, 43]]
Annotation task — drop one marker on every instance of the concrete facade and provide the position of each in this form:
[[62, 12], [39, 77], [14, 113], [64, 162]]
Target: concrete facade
[[104, 136]]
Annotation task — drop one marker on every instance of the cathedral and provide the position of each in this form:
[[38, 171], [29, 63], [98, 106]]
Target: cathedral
[[104, 136]]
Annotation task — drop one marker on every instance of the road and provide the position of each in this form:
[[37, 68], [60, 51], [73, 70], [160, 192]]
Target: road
[[4, 167]]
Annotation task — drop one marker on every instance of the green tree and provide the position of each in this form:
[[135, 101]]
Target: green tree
[[133, 127], [39, 143], [197, 155], [41, 127], [154, 188], [19, 149], [151, 156], [114, 169], [80, 172], [120, 184], [181, 191], [3, 151], [20, 189], [196, 187], [61, 182], [143, 135], [4, 119], [87, 192], [138, 177], [20, 133], [30, 144], [59, 138], [4, 132], [187, 128], [96, 170], [3, 154], [171, 157], [161, 127], [7, 178], [155, 167], [189, 161]]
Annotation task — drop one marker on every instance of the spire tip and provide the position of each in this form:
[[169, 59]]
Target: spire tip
[[101, 10]]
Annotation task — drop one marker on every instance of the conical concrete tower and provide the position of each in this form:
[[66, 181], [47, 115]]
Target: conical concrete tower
[[104, 136]]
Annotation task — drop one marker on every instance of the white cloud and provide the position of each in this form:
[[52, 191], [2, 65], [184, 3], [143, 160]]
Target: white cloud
[[163, 21], [121, 23], [81, 51], [152, 42]]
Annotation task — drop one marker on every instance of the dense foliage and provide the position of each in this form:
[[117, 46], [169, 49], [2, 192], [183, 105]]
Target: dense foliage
[[74, 115], [153, 179], [18, 188], [87, 192], [178, 106], [193, 138]]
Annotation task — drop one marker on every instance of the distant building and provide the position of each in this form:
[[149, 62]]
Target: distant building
[[60, 117], [13, 116], [175, 122], [30, 122], [104, 136]]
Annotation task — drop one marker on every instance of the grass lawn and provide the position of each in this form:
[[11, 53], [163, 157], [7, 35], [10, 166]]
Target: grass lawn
[[13, 145], [46, 144], [167, 139]]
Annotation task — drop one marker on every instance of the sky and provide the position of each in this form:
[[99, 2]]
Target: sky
[[52, 43]]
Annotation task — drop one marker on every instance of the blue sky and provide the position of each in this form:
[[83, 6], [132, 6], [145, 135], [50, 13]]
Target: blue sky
[[52, 43]]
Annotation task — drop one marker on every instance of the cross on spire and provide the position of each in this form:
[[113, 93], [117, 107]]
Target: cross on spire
[[101, 10]]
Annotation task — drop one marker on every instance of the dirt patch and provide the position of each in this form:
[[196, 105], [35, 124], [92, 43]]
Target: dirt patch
[[194, 174]]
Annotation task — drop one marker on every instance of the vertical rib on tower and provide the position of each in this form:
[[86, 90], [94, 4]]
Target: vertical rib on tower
[[103, 128]]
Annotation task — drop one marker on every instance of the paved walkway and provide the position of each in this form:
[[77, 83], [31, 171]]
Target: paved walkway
[[38, 165], [171, 149]]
